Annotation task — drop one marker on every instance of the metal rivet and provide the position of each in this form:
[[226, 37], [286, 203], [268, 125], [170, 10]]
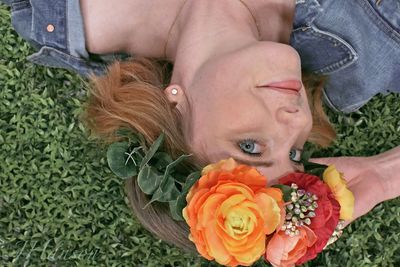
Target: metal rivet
[[50, 28]]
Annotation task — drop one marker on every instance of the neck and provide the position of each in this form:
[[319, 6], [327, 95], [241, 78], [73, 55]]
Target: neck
[[207, 29], [207, 22]]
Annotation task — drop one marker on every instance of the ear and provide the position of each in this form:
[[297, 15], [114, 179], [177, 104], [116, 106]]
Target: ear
[[175, 94]]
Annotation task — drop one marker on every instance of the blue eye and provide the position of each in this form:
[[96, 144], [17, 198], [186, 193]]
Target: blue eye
[[248, 146], [295, 155]]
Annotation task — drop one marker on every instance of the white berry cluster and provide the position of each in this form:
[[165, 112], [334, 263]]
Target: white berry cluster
[[300, 211]]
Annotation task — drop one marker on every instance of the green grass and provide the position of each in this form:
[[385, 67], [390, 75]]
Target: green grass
[[60, 205]]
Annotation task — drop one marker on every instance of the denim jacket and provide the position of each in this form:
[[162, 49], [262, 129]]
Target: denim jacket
[[355, 43]]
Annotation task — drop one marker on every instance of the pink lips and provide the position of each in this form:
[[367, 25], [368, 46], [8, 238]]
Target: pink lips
[[290, 86]]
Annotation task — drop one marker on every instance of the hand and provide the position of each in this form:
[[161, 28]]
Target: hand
[[371, 179], [387, 164]]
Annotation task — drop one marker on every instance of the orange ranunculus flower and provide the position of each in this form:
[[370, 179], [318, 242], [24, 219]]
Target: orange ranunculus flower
[[225, 165], [334, 179], [230, 211], [284, 250]]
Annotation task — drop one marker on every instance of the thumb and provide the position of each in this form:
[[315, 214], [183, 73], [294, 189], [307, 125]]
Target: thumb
[[325, 161]]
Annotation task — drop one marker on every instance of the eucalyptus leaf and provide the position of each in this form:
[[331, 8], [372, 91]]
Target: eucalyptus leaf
[[162, 160], [314, 168], [173, 164], [176, 212], [177, 206], [170, 192], [317, 171], [165, 193], [118, 160], [190, 181], [306, 155], [152, 150], [148, 180]]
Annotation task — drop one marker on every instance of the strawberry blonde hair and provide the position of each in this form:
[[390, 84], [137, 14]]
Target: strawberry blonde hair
[[131, 96]]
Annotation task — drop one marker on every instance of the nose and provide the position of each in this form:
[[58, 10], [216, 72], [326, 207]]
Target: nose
[[292, 117]]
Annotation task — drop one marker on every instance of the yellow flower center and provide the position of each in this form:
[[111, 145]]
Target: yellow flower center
[[236, 223], [239, 223]]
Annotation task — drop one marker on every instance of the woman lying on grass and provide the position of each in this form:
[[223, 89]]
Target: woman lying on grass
[[236, 87]]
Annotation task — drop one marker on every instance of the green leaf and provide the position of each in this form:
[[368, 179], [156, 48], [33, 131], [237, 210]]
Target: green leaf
[[190, 181], [117, 158], [314, 168], [306, 155], [179, 204], [169, 190], [152, 150], [148, 180], [162, 160], [286, 191], [176, 212], [172, 165], [317, 171], [165, 193]]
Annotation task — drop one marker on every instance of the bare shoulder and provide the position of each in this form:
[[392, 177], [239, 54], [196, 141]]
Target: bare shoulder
[[105, 23]]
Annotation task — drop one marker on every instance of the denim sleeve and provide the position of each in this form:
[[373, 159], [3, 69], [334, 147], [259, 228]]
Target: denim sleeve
[[55, 29], [7, 2]]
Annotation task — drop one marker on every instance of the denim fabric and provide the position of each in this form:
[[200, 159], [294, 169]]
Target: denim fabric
[[55, 29], [7, 2], [355, 43]]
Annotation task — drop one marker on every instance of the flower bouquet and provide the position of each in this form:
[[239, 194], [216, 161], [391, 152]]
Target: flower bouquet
[[234, 216]]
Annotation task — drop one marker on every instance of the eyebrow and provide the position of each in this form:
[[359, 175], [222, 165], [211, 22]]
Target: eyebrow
[[254, 163]]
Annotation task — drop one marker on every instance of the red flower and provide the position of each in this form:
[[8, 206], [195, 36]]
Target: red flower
[[326, 215]]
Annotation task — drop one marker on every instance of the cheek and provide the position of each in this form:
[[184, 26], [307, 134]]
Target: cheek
[[274, 173], [229, 108]]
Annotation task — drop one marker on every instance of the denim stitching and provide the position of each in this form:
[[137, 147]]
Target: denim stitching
[[64, 59], [19, 5], [66, 26], [379, 21], [345, 109], [352, 54]]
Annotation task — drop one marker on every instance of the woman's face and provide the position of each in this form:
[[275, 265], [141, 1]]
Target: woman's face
[[233, 115]]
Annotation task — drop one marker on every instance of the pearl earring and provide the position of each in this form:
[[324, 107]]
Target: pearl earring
[[174, 91]]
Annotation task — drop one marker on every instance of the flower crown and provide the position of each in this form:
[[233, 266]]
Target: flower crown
[[234, 217]]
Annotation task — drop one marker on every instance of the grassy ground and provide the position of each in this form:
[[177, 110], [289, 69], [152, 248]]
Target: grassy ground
[[61, 206]]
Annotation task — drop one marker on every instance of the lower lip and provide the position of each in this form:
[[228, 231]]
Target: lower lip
[[286, 91]]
